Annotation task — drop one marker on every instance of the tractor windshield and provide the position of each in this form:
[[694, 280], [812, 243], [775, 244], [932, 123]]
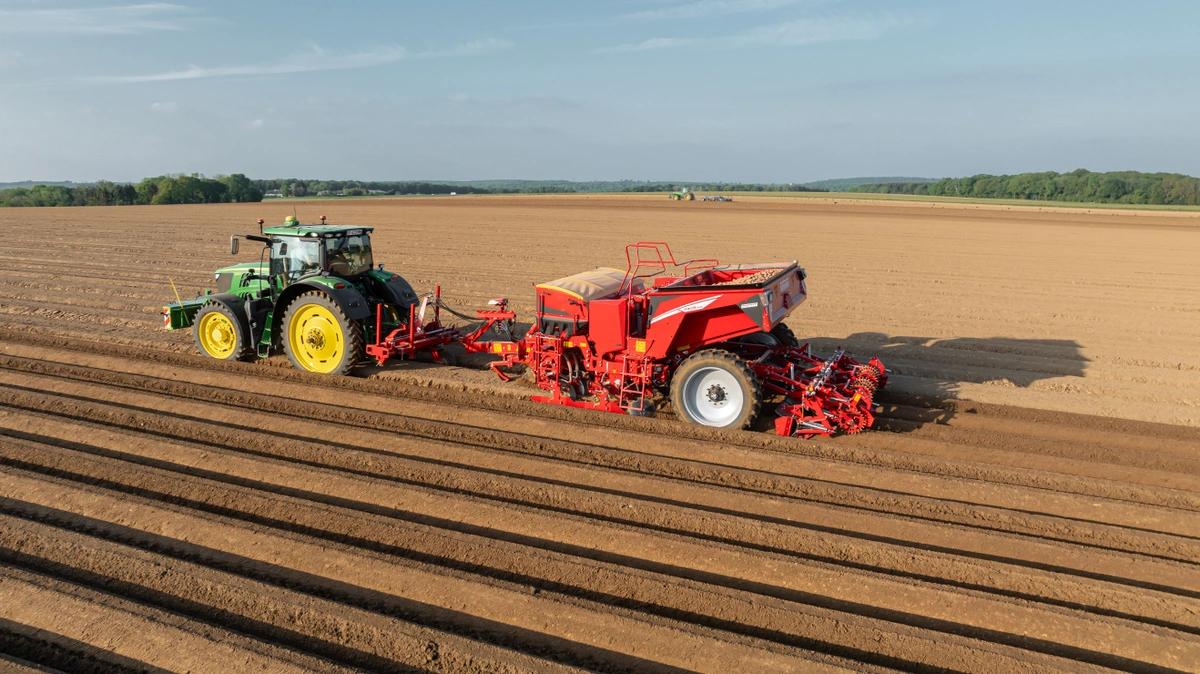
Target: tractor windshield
[[348, 255], [293, 257]]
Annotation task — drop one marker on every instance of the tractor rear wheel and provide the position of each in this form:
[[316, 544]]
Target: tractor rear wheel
[[319, 337], [221, 334], [715, 388]]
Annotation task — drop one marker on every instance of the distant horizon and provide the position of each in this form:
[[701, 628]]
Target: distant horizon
[[655, 181]]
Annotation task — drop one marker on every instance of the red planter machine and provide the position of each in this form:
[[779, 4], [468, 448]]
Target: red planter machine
[[708, 336]]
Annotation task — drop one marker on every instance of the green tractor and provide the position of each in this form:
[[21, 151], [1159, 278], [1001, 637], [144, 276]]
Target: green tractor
[[683, 194], [315, 293]]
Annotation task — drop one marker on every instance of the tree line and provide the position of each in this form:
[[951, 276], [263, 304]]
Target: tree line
[[1126, 187], [197, 189], [158, 190], [1118, 187], [302, 187], [723, 187]]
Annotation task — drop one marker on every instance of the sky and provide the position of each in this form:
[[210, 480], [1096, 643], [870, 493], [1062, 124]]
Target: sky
[[704, 90]]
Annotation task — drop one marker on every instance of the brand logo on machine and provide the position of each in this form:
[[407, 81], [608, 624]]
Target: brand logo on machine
[[687, 308]]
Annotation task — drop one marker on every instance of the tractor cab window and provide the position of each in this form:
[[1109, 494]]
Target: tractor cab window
[[293, 257], [348, 255]]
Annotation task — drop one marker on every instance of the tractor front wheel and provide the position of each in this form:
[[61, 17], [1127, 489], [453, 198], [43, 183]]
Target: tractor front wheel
[[715, 388], [318, 337], [221, 334]]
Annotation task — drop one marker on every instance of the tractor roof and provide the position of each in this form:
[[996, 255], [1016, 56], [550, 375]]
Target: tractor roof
[[315, 230]]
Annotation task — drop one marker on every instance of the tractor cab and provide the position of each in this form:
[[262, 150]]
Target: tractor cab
[[299, 251]]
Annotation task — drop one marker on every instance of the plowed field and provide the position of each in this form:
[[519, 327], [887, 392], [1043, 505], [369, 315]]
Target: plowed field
[[1030, 500]]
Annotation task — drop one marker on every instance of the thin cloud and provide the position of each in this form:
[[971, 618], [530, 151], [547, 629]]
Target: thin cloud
[[538, 102], [703, 8], [314, 60], [311, 61], [671, 10], [657, 43], [808, 31], [113, 20], [785, 34], [474, 48]]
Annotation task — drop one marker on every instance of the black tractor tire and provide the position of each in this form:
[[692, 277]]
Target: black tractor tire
[[217, 320], [780, 335], [715, 388], [311, 355], [760, 338], [784, 335]]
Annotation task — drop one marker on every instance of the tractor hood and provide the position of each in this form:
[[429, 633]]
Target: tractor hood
[[241, 267], [240, 275]]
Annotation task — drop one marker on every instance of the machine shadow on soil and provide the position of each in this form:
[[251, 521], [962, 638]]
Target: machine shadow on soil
[[932, 370]]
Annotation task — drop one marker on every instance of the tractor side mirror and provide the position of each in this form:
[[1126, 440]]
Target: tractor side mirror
[[233, 245]]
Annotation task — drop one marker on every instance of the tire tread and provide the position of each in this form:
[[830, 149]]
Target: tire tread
[[353, 331], [244, 351]]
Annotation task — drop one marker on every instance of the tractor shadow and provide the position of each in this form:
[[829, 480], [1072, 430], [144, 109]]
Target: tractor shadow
[[929, 374]]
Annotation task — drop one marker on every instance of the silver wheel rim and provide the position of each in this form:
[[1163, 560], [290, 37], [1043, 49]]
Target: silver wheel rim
[[712, 396]]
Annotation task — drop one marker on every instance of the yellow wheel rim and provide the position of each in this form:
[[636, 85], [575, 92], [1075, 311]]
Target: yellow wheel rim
[[316, 338], [218, 336]]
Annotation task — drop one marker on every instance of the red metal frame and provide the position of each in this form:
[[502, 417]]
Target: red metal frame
[[634, 263], [412, 337], [678, 316], [820, 396]]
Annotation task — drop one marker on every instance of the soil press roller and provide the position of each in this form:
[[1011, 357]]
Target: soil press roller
[[708, 337]]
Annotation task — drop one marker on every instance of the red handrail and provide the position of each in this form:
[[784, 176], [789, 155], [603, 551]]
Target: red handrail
[[662, 256]]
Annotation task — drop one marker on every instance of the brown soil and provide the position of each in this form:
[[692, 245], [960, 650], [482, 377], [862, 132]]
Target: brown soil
[[163, 512]]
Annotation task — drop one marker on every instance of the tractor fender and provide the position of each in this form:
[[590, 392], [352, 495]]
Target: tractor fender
[[393, 290], [234, 303], [351, 302]]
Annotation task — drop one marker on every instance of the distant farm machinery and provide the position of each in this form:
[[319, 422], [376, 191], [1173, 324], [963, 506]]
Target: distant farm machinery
[[705, 336], [686, 194]]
